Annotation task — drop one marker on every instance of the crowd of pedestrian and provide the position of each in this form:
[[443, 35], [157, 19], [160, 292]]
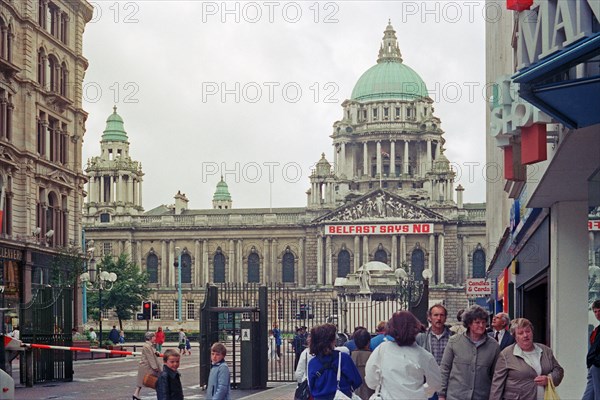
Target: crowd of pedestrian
[[405, 359]]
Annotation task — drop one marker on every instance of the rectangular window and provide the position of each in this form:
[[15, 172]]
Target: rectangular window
[[386, 112], [176, 312], [156, 309], [397, 112], [107, 249], [41, 134], [106, 314], [375, 113], [190, 309]]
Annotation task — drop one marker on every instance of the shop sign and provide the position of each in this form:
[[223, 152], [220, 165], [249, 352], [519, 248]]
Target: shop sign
[[11, 254], [551, 25], [594, 225], [378, 229], [478, 287]]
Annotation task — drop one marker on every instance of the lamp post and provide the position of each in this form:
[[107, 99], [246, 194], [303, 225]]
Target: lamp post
[[88, 251], [98, 281], [178, 266]]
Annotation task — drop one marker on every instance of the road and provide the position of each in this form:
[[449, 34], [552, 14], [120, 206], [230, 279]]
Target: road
[[114, 379]]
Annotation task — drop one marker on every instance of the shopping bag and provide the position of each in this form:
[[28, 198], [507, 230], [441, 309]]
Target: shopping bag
[[550, 391]]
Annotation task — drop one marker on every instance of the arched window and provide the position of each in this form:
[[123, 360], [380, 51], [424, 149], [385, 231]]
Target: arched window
[[381, 254], [152, 268], [219, 267], [417, 261], [64, 80], [479, 262], [51, 219], [253, 266], [41, 71], [54, 73], [343, 263], [287, 262], [186, 268]]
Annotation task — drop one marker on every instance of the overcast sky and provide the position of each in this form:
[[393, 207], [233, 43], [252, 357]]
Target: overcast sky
[[251, 90]]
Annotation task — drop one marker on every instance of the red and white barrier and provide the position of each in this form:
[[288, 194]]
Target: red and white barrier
[[17, 345]]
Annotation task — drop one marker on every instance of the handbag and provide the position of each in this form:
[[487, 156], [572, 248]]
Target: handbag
[[302, 391], [150, 381], [550, 391], [339, 395]]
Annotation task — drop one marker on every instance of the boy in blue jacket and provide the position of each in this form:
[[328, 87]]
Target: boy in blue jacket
[[218, 379]]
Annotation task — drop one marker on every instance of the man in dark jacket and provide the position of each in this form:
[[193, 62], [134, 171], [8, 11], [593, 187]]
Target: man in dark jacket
[[114, 336], [299, 343], [592, 389]]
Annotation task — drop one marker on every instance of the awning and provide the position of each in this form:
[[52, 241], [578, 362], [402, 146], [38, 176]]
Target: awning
[[573, 102]]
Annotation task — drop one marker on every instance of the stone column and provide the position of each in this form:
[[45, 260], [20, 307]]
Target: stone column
[[164, 264], [441, 258], [431, 257], [356, 253], [205, 264], [394, 263], [101, 177], [172, 258], [365, 255], [405, 157], [138, 250], [301, 280], [379, 172], [240, 261], [366, 159], [231, 261], [275, 274], [266, 262], [140, 193], [197, 270], [319, 259], [429, 160], [343, 159], [402, 249], [329, 259], [392, 158], [467, 273]]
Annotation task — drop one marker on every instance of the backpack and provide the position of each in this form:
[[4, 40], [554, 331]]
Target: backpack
[[323, 372]]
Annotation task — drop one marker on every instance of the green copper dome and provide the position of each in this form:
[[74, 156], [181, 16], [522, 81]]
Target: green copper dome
[[389, 79], [222, 192], [114, 131]]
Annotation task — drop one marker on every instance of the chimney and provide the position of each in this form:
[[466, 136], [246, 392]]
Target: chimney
[[180, 202]]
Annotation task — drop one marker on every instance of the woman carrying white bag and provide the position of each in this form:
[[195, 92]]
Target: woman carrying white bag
[[402, 369]]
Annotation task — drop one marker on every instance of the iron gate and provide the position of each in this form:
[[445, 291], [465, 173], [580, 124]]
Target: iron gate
[[290, 308], [47, 319]]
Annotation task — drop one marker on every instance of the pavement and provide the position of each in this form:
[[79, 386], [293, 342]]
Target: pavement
[[276, 391]]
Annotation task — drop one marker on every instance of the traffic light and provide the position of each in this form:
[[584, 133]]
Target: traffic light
[[147, 309], [154, 310]]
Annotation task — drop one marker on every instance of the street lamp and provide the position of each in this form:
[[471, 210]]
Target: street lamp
[[178, 266], [99, 281], [88, 251]]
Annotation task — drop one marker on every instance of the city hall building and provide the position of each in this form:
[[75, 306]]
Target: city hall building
[[387, 195]]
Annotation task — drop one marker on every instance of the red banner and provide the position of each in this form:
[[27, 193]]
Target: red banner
[[378, 229]]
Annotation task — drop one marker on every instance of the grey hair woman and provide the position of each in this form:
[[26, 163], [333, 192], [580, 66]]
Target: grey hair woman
[[149, 363], [524, 368], [460, 380]]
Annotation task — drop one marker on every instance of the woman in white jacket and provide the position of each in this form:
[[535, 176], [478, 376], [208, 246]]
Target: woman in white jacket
[[403, 369]]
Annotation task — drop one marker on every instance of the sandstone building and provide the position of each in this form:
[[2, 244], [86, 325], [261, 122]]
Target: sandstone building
[[389, 196]]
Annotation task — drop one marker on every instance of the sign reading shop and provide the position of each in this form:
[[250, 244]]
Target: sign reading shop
[[378, 229]]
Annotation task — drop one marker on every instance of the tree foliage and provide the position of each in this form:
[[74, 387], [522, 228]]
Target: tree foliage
[[127, 293]]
